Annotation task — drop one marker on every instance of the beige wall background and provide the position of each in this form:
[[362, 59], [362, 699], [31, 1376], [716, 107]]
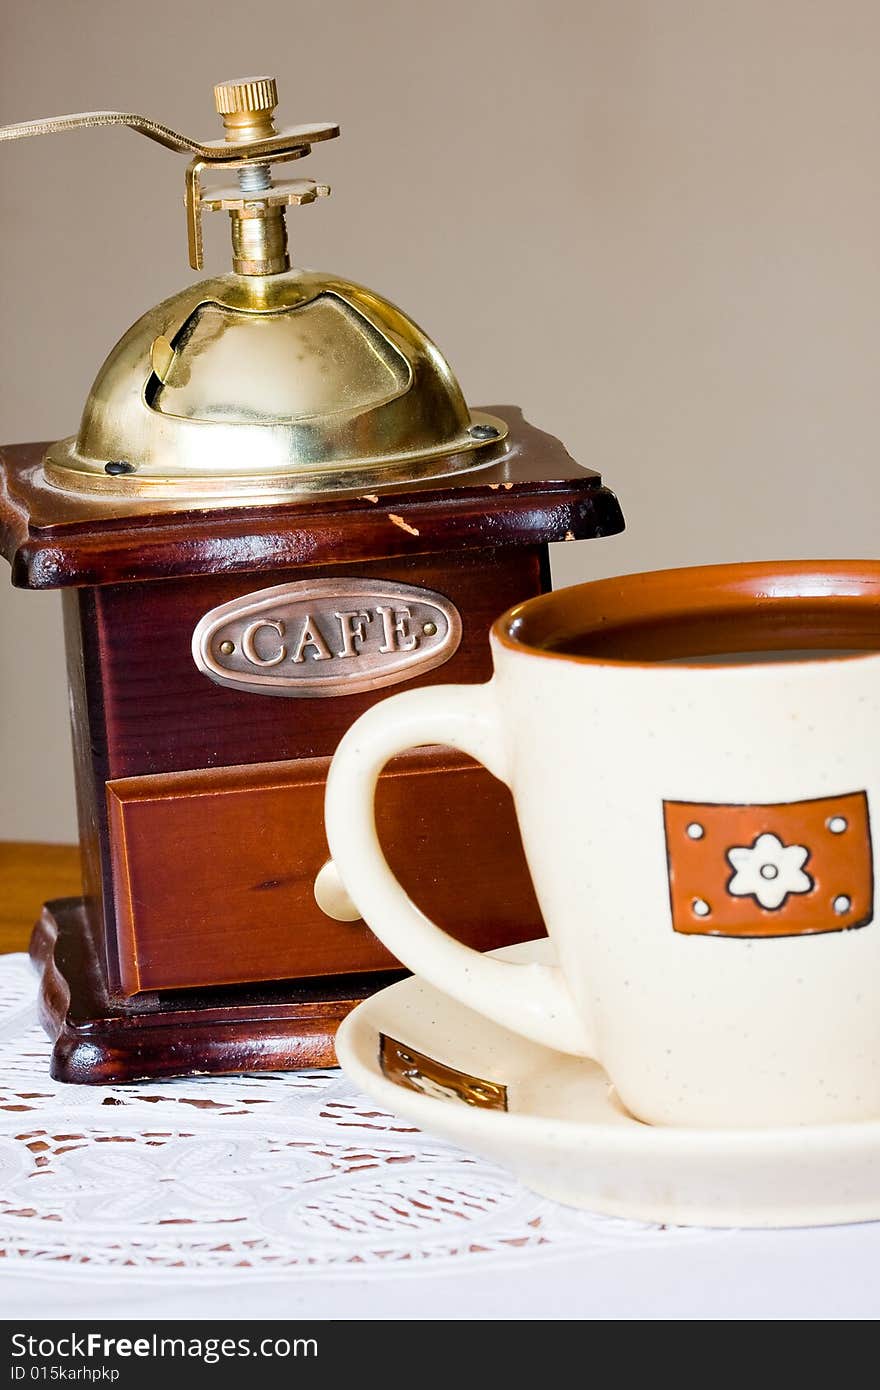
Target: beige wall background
[[655, 224]]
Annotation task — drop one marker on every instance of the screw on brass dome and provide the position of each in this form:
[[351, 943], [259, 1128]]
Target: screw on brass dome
[[259, 238], [246, 94]]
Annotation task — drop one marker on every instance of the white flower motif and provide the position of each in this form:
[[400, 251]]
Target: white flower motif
[[769, 870]]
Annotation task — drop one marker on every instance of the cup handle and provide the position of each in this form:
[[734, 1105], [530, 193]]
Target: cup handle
[[533, 999]]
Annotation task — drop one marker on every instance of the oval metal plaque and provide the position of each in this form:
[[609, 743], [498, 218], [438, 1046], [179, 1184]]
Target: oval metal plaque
[[326, 637]]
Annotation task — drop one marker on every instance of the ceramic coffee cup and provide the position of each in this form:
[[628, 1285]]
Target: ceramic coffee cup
[[694, 756]]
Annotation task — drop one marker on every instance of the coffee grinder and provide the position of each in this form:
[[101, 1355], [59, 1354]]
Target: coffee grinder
[[278, 505]]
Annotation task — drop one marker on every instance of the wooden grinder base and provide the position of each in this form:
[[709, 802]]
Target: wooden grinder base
[[269, 1028]]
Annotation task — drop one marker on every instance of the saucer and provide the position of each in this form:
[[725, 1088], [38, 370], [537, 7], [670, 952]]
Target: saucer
[[556, 1123]]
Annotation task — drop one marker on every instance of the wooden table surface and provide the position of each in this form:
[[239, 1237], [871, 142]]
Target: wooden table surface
[[31, 874]]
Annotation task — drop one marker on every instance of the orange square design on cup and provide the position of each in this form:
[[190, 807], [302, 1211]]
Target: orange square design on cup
[[780, 869]]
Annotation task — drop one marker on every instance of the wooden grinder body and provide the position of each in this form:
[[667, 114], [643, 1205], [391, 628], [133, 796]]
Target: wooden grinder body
[[199, 944]]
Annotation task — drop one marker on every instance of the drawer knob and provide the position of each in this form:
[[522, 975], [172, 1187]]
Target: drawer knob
[[331, 897]]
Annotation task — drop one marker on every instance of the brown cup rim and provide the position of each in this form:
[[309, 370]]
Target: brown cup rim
[[689, 592]]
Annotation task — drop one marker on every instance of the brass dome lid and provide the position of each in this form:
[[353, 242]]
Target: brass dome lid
[[268, 379], [285, 382]]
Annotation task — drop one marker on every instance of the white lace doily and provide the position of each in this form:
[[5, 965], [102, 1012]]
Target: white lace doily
[[276, 1172], [274, 1177]]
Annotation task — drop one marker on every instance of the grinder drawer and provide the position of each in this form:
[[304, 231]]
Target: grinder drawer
[[214, 870]]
